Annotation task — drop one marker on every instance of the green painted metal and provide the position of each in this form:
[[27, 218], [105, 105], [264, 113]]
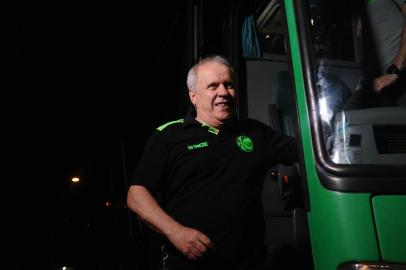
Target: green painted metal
[[341, 224], [341, 228], [390, 218]]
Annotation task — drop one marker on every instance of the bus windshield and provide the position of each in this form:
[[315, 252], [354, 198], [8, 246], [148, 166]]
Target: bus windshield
[[362, 121]]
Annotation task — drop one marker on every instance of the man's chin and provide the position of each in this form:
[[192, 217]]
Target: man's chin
[[225, 116]]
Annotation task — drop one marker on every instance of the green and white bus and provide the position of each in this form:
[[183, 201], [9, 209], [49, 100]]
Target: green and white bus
[[297, 63]]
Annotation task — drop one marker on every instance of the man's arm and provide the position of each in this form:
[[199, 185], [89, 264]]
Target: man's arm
[[400, 59], [189, 241]]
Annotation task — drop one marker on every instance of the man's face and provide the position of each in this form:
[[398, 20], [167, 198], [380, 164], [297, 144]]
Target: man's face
[[214, 96]]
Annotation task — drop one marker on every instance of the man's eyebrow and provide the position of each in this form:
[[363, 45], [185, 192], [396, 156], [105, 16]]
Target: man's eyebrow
[[213, 84]]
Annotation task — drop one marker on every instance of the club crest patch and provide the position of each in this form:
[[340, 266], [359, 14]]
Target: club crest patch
[[245, 143]]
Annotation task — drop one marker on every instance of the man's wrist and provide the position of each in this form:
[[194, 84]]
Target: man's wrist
[[393, 69]]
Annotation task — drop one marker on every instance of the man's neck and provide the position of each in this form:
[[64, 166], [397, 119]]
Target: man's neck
[[216, 126]]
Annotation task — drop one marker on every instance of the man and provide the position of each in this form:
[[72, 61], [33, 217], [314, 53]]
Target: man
[[385, 57], [208, 169]]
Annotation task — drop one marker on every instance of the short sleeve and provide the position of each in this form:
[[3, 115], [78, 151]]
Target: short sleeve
[[281, 148], [151, 170]]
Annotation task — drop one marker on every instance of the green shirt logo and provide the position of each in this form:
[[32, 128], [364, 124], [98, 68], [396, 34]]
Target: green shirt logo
[[245, 143]]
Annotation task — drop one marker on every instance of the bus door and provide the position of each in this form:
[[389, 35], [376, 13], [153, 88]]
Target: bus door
[[355, 159]]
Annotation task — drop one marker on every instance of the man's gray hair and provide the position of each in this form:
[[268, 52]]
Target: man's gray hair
[[192, 74]]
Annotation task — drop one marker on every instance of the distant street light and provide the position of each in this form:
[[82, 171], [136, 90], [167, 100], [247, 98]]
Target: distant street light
[[75, 179], [107, 204], [65, 268]]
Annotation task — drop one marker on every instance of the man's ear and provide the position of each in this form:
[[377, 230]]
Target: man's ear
[[192, 96]]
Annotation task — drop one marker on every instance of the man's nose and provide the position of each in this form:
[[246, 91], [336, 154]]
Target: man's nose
[[222, 90]]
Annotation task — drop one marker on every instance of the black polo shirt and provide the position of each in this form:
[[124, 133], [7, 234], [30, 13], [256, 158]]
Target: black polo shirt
[[211, 180]]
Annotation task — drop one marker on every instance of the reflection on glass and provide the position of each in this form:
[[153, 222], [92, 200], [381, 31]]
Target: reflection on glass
[[340, 152], [332, 94], [370, 136]]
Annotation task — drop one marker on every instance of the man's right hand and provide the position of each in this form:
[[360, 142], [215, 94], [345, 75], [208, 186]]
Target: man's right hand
[[192, 243]]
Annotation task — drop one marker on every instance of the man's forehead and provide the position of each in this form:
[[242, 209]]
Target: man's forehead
[[211, 64], [214, 69]]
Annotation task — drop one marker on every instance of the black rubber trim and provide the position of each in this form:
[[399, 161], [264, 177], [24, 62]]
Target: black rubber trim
[[302, 168]]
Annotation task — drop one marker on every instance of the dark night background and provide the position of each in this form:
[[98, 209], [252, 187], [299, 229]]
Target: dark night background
[[83, 86]]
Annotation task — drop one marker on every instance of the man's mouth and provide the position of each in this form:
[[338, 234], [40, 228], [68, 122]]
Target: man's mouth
[[224, 105]]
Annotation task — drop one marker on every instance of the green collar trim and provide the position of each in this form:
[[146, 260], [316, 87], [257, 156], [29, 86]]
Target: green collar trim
[[169, 123], [211, 129]]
